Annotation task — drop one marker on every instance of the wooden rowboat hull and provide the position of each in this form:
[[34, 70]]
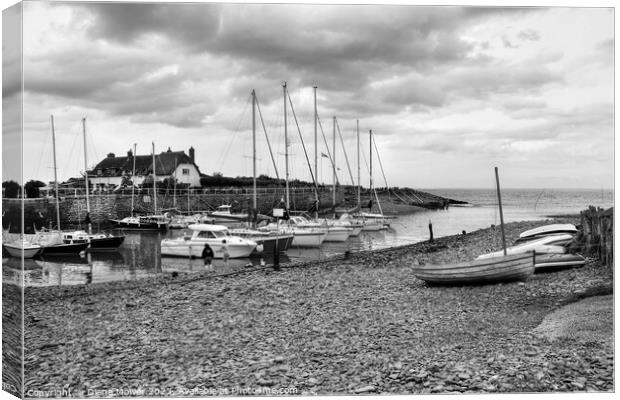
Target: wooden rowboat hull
[[510, 268]]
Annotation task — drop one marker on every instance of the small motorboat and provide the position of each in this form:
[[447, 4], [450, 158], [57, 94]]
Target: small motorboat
[[216, 236], [516, 267]]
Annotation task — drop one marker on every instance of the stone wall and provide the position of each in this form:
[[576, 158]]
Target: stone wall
[[42, 212]]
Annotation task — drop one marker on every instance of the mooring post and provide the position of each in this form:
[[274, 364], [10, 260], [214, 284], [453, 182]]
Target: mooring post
[[430, 229]]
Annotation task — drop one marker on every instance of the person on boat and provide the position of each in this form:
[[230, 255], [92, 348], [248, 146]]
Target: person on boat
[[225, 254], [207, 254]]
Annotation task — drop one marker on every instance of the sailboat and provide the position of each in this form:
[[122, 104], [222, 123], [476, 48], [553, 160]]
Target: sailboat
[[269, 241], [143, 222], [371, 222], [97, 241], [51, 241], [508, 267], [302, 236], [22, 248]]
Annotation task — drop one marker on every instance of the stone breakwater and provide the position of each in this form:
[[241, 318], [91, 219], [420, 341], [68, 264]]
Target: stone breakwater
[[357, 325]]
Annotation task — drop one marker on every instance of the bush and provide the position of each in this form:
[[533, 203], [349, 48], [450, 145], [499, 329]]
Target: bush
[[11, 189], [32, 188]]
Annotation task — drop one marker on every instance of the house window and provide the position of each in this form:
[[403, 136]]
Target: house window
[[185, 171]]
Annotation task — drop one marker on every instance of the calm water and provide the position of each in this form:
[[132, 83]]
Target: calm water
[[140, 256]]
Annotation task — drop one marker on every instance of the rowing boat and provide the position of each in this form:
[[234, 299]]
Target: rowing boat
[[498, 269]]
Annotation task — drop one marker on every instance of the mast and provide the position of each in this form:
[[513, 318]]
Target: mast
[[316, 161], [254, 201], [55, 175], [154, 186], [501, 214], [285, 148], [90, 228], [133, 176], [334, 161], [174, 188], [359, 195]]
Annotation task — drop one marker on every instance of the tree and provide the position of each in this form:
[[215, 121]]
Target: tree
[[11, 189], [32, 188]]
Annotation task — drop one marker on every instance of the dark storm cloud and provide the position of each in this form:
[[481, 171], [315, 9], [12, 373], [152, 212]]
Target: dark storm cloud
[[186, 24], [343, 49]]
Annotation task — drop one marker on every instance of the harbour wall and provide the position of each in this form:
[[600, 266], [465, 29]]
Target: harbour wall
[[41, 212]]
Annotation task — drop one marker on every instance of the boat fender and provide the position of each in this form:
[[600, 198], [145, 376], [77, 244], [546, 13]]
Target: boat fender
[[259, 248]]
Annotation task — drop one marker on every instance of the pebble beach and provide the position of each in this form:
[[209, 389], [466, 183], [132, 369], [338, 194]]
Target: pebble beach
[[356, 325]]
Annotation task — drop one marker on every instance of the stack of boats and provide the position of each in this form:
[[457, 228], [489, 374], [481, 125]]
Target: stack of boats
[[540, 249]]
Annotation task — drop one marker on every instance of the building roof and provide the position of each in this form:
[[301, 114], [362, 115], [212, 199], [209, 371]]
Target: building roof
[[165, 163]]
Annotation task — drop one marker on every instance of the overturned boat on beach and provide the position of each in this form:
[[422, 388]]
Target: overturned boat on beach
[[510, 268]]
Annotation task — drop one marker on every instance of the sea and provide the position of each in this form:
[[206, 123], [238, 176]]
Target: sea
[[140, 257]]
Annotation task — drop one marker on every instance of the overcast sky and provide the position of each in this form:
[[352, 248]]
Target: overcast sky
[[449, 92]]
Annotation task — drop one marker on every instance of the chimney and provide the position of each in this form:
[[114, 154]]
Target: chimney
[[130, 153], [111, 155], [191, 154]]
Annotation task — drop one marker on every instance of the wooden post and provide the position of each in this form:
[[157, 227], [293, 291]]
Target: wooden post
[[430, 230], [501, 214]]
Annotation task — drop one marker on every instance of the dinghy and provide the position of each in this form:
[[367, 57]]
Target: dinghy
[[548, 230], [550, 262], [548, 244], [505, 268], [516, 267]]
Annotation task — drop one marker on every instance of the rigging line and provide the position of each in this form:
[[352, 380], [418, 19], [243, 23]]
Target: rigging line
[[262, 121], [235, 132], [344, 150], [329, 154], [538, 198], [316, 188], [70, 158], [42, 155], [380, 163]]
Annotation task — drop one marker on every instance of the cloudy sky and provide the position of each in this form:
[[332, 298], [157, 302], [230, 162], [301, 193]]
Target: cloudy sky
[[449, 92]]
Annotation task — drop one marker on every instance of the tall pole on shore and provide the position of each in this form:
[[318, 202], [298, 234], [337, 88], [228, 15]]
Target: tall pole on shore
[[316, 162], [89, 225], [359, 195], [133, 177], [286, 203], [154, 183], [370, 147], [501, 214], [254, 201], [55, 175], [334, 163]]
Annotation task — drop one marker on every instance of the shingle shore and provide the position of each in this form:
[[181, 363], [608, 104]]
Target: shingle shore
[[357, 325]]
